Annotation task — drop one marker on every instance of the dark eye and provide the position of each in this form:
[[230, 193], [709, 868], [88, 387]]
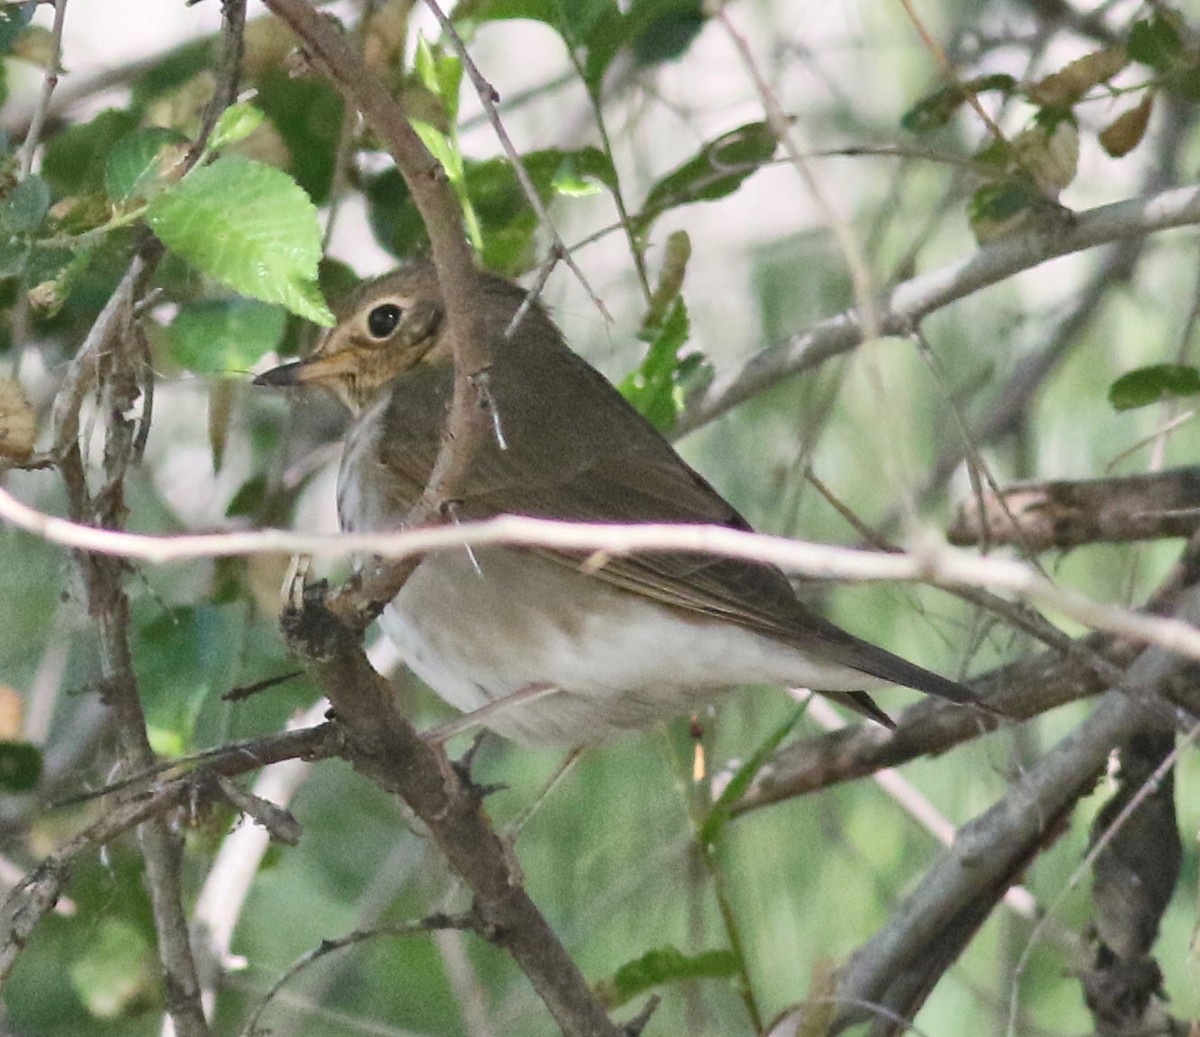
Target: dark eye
[[382, 320]]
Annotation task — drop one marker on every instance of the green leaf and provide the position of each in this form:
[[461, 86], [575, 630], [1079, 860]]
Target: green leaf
[[171, 70], [25, 208], [1146, 385], [21, 214], [1000, 208], [75, 160], [720, 812], [664, 30], [441, 73], [1155, 41], [13, 20], [663, 965], [393, 217], [221, 336], [20, 766], [505, 218], [475, 12], [249, 498], [935, 109], [605, 35], [717, 170], [183, 656], [53, 272], [141, 164], [14, 256], [308, 115], [236, 123], [251, 227], [593, 30], [656, 387], [1185, 81]]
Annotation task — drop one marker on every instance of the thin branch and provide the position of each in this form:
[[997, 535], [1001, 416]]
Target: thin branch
[[937, 565], [108, 357], [329, 946], [38, 892], [939, 55], [49, 82], [1017, 614], [908, 303], [1023, 689], [782, 129], [926, 932], [899, 965], [1005, 416], [488, 97], [917, 805], [223, 894]]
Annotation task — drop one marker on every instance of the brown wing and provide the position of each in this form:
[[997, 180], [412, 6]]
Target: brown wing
[[576, 451]]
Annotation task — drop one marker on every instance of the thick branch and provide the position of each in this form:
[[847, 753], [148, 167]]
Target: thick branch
[[383, 745], [932, 925], [1040, 516], [427, 184], [898, 966]]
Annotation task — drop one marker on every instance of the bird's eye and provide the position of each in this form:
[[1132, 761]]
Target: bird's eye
[[382, 320]]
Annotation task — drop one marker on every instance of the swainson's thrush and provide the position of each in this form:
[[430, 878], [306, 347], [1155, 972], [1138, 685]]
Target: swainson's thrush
[[644, 637]]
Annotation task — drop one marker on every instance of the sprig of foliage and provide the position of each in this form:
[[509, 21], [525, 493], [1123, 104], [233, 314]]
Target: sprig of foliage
[[1026, 173]]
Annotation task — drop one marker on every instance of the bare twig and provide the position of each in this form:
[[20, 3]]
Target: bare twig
[[221, 898], [329, 946], [49, 82], [26, 904], [1030, 374], [924, 935], [940, 566], [781, 127], [1023, 689], [1148, 787], [488, 97], [899, 964]]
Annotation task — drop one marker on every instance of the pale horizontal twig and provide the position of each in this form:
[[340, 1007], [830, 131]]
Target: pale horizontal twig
[[936, 564]]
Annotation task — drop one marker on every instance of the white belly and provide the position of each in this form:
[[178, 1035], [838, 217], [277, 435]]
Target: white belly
[[618, 660]]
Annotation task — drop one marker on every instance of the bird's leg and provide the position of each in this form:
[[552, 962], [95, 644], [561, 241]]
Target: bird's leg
[[477, 717], [513, 831], [295, 581], [462, 767]]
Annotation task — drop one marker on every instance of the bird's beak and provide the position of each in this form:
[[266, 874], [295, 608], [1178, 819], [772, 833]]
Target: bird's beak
[[315, 370]]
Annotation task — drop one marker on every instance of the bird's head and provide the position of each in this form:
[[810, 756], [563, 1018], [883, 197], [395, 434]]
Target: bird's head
[[388, 326]]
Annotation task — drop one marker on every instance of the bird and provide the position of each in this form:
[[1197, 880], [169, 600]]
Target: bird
[[550, 652]]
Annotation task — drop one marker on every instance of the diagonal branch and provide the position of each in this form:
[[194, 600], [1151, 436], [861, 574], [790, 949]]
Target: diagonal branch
[[908, 303], [899, 965], [382, 745]]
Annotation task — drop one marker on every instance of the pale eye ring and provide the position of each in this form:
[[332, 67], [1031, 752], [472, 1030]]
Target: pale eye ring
[[384, 319]]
